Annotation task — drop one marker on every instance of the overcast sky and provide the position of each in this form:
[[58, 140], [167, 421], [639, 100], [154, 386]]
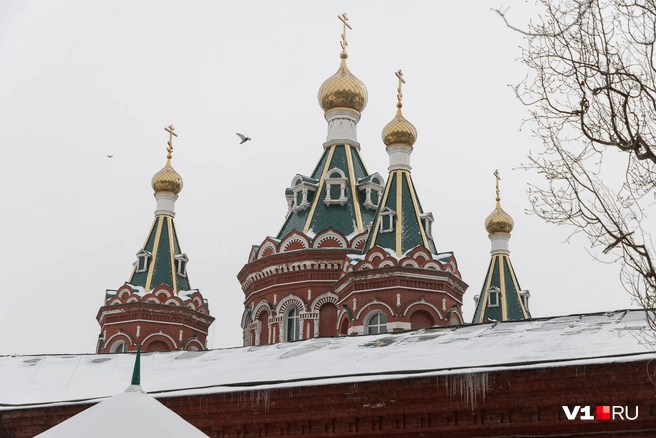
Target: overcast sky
[[80, 80]]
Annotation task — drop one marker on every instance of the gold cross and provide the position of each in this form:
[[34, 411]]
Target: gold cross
[[169, 148], [496, 175], [399, 96], [343, 18]]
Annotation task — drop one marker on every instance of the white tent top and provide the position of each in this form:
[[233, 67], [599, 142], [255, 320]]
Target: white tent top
[[30, 381], [130, 414]]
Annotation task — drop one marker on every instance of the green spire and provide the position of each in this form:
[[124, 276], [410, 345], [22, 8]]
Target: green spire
[[136, 374], [501, 298], [400, 223], [161, 260]]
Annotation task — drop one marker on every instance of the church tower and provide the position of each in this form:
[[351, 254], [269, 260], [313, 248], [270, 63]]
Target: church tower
[[354, 255], [501, 298], [288, 278], [157, 309], [400, 282]]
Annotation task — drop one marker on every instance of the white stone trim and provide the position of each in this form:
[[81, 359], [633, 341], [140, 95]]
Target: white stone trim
[[331, 181], [342, 124], [416, 303], [175, 345], [371, 303], [165, 203], [499, 243], [329, 234], [399, 158], [158, 322], [115, 335], [283, 304], [327, 297], [391, 326]]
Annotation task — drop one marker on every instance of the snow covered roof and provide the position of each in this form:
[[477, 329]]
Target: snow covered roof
[[28, 381], [141, 416]]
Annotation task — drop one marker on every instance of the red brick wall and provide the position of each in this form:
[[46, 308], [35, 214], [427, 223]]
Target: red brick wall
[[497, 403]]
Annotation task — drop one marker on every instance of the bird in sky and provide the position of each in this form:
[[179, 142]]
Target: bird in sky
[[110, 156], [244, 139]]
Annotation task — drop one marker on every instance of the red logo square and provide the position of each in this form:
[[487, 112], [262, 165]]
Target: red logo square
[[603, 413]]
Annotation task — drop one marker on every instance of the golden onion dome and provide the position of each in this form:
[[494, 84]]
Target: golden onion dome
[[399, 131], [343, 90], [167, 180], [499, 221]]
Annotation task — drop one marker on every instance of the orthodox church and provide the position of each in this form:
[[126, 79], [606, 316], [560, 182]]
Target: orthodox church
[[352, 322]]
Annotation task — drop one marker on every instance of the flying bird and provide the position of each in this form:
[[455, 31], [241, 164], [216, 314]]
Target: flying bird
[[244, 139], [110, 156]]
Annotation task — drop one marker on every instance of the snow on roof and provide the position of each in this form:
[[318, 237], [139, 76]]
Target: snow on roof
[[130, 414], [28, 381]]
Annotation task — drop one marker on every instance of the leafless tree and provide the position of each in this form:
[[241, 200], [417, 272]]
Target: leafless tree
[[591, 94]]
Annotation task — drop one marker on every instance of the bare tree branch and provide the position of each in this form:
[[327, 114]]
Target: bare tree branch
[[591, 95]]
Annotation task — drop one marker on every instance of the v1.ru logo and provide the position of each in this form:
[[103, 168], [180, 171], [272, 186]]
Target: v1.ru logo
[[601, 413]]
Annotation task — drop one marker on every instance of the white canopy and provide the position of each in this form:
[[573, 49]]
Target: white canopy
[[131, 414]]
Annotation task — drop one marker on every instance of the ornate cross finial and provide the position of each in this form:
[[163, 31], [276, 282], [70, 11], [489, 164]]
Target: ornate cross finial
[[343, 18], [399, 95], [496, 175], [169, 148]]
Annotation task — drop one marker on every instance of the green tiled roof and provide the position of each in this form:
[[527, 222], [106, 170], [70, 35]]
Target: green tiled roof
[[401, 198], [163, 245], [350, 218], [510, 306]]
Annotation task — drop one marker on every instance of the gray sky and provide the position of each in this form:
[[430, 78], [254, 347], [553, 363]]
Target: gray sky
[[80, 80]]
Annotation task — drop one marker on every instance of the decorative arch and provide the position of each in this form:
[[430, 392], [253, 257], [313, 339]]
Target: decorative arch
[[175, 301], [408, 263], [261, 307], [194, 343], [123, 293], [322, 299], [287, 301], [330, 239], [145, 344], [454, 313], [371, 303], [267, 248], [246, 318], [116, 335], [294, 241], [163, 293], [359, 241], [423, 304], [434, 265]]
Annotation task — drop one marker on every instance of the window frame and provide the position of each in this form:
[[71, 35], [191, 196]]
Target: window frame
[[378, 327], [293, 320]]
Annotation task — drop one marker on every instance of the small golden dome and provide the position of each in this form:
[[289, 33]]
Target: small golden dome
[[499, 221], [343, 90], [399, 131], [167, 180]]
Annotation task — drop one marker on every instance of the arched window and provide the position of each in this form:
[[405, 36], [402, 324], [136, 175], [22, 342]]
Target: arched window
[[377, 323], [293, 325], [119, 347], [493, 297]]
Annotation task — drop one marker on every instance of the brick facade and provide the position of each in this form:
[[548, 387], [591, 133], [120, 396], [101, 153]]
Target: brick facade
[[521, 402]]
